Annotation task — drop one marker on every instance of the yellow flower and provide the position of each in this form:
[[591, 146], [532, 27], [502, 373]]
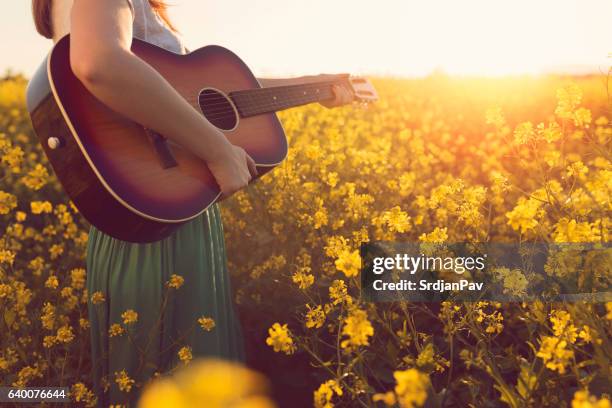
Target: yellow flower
[[77, 278], [315, 317], [7, 202], [5, 290], [586, 334], [552, 133], [84, 323], [335, 245], [438, 235], [175, 281], [426, 356], [39, 207], [52, 282], [56, 250], [524, 215], [13, 158], [65, 334], [7, 256], [492, 321], [554, 353], [357, 328], [524, 133], [280, 339], [582, 117], [164, 393], [206, 323], [185, 354], [411, 388], [562, 325], [81, 393], [349, 262], [210, 383], [387, 398], [324, 394], [578, 170], [303, 278], [47, 317], [115, 330], [567, 230], [36, 178], [124, 381], [407, 182], [569, 97], [396, 220], [129, 316], [583, 399], [49, 341], [514, 281], [36, 265], [338, 292], [320, 218], [332, 179], [97, 298]]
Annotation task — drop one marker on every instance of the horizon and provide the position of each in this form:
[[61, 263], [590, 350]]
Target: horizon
[[477, 38]]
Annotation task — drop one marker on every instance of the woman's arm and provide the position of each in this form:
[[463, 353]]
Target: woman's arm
[[342, 93], [100, 56]]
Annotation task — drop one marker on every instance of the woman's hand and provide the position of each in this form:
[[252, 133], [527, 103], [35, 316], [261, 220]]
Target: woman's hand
[[342, 93], [233, 168]]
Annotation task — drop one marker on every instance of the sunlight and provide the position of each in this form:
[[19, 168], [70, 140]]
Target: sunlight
[[386, 37], [404, 37]]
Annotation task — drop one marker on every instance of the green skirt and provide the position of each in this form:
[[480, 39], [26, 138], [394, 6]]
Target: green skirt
[[135, 277]]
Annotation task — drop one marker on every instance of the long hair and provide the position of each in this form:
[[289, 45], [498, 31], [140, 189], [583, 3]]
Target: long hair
[[41, 11]]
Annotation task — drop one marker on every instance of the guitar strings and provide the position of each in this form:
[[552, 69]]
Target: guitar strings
[[252, 110], [284, 100], [258, 100], [229, 111], [263, 92], [224, 101], [257, 104]]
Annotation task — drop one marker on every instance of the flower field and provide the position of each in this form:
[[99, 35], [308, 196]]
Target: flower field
[[436, 159]]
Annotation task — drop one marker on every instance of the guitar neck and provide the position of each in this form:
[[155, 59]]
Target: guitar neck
[[253, 102]]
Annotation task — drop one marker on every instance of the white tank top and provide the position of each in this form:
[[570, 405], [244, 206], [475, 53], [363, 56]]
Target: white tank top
[[147, 25], [150, 27]]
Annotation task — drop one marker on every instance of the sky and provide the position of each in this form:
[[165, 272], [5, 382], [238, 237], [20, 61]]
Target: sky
[[382, 37]]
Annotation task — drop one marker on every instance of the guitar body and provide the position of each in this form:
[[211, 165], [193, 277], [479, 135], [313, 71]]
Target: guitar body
[[128, 181]]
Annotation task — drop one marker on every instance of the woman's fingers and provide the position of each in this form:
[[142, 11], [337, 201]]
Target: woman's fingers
[[233, 171], [342, 96]]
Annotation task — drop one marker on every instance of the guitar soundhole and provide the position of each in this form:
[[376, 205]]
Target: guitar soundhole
[[218, 109]]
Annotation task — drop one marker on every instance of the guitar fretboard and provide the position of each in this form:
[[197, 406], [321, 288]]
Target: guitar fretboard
[[253, 102]]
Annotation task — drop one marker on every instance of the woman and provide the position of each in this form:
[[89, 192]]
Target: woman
[[147, 299]]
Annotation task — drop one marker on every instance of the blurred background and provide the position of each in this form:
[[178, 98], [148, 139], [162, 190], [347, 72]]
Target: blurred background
[[387, 37]]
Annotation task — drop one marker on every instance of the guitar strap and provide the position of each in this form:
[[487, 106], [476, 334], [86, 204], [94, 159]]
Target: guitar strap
[[166, 158]]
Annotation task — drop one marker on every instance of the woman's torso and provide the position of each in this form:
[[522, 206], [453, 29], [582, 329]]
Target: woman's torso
[[147, 25]]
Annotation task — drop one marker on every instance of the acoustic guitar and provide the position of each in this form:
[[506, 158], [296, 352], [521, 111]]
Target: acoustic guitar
[[133, 183]]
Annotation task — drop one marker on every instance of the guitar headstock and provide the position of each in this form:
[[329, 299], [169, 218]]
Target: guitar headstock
[[363, 90]]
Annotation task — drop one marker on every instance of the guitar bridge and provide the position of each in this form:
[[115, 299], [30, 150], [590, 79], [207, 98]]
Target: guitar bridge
[[165, 156]]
